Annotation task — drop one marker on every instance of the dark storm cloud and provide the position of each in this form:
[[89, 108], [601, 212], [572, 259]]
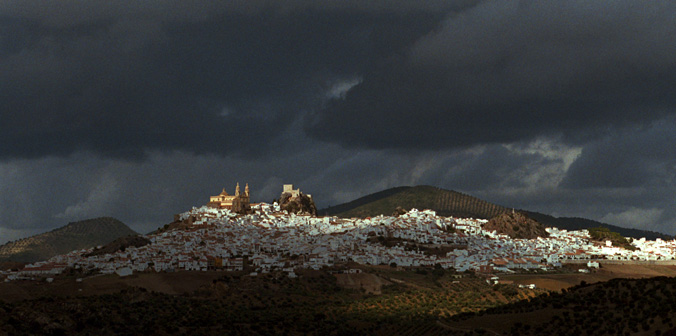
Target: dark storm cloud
[[507, 71], [121, 78], [642, 157], [502, 96], [626, 177]]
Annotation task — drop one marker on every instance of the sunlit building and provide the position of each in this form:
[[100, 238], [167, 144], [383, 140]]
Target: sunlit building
[[226, 201]]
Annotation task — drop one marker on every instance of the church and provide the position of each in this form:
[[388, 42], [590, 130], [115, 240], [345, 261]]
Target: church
[[226, 201]]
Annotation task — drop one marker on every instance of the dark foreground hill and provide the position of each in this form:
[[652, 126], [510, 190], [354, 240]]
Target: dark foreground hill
[[516, 225], [232, 303], [428, 302], [616, 307], [453, 203], [75, 235]]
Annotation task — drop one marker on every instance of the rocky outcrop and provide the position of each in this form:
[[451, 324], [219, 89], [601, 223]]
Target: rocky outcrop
[[399, 211], [516, 225], [301, 204]]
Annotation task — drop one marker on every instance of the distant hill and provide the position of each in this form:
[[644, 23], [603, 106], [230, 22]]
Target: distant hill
[[456, 204], [576, 223], [444, 202], [75, 235]]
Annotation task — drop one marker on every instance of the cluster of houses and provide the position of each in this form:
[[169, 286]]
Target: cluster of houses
[[272, 240]]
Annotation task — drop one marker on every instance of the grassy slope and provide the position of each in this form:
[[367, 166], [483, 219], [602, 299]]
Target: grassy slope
[[76, 235]]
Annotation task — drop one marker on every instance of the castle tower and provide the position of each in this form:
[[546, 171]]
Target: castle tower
[[246, 190], [237, 189]]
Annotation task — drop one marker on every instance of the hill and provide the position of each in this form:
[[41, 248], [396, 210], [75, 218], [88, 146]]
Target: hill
[[444, 202], [456, 204], [73, 236]]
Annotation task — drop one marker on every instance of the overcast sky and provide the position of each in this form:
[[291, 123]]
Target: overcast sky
[[143, 109]]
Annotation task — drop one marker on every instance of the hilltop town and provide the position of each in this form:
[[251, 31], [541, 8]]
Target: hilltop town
[[270, 239]]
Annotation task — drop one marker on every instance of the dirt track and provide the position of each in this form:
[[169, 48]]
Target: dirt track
[[557, 282]]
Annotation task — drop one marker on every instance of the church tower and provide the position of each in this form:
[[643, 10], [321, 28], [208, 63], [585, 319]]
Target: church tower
[[246, 190], [237, 189]]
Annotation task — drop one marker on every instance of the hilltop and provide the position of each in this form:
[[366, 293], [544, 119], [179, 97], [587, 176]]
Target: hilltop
[[457, 204], [73, 236]]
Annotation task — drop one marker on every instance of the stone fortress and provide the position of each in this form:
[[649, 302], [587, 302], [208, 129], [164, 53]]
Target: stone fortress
[[294, 201], [288, 188]]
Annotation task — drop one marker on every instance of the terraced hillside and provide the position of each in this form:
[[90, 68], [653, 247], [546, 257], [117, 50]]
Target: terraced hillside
[[75, 235], [444, 202]]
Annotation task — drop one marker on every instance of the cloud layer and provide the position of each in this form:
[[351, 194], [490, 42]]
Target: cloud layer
[[141, 110], [121, 78], [512, 71]]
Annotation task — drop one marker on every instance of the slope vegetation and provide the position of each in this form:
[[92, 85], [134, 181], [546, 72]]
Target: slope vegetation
[[75, 235]]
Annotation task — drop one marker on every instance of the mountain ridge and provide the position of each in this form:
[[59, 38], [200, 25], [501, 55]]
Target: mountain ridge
[[72, 236], [444, 202], [457, 204]]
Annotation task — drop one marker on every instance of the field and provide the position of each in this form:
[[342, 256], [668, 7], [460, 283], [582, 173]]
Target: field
[[167, 283]]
